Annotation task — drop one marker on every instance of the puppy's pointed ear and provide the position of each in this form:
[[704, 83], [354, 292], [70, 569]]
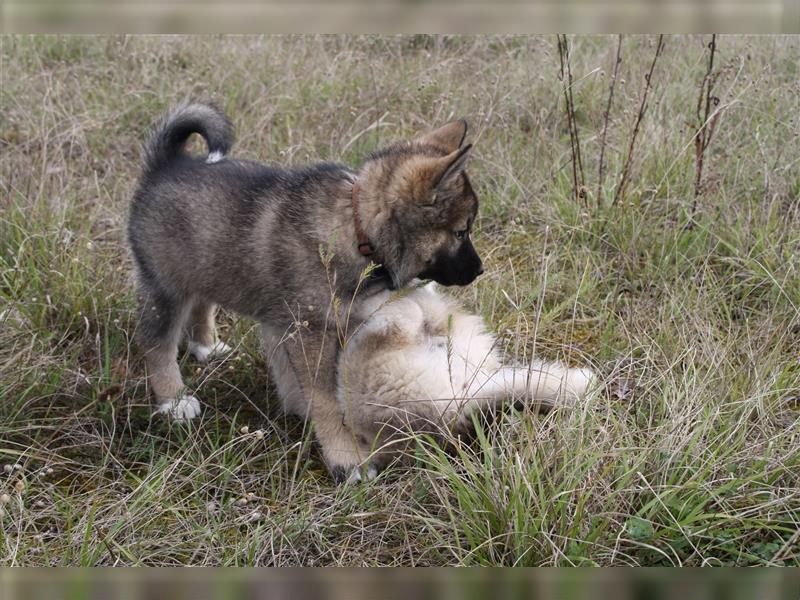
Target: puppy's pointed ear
[[428, 175], [451, 167], [449, 137]]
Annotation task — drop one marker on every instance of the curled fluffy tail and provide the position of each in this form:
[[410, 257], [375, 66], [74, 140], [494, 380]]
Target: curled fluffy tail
[[169, 137]]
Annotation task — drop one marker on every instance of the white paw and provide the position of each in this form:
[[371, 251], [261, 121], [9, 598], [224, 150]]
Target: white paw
[[185, 409], [202, 352], [579, 382], [357, 475]]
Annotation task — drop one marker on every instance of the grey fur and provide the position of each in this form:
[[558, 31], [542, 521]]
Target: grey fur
[[252, 238]]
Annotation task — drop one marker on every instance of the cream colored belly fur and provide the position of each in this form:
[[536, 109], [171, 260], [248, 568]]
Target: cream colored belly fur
[[421, 363]]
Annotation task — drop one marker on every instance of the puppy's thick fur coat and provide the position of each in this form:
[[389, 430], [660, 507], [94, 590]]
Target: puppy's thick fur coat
[[281, 246], [420, 363]]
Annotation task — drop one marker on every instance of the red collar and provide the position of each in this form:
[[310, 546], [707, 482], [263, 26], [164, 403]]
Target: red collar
[[364, 245]]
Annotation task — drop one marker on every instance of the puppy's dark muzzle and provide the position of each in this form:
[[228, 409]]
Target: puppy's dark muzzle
[[469, 278], [459, 270]]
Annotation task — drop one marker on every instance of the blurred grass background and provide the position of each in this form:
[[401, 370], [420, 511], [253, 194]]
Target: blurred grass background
[[395, 584]]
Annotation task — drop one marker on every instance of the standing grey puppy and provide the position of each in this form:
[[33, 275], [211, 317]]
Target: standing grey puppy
[[291, 248]]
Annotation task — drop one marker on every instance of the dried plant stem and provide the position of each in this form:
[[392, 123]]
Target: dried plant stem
[[626, 169], [606, 117], [578, 177], [706, 126]]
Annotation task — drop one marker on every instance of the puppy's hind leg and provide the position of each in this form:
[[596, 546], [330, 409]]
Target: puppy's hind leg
[[554, 384], [488, 390], [203, 343], [161, 322], [545, 385]]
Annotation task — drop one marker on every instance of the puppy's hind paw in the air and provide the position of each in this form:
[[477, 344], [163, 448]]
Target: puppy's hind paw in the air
[[184, 409], [203, 353]]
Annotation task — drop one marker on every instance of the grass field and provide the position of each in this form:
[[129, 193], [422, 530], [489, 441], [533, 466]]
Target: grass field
[[684, 296]]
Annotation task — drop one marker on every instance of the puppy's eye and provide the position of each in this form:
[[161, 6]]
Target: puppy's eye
[[460, 235]]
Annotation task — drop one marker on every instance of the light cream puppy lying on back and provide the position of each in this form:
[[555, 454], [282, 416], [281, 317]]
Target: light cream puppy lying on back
[[421, 363]]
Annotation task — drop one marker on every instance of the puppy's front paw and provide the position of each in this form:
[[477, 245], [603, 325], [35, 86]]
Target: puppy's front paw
[[203, 353], [353, 475], [347, 459], [183, 409]]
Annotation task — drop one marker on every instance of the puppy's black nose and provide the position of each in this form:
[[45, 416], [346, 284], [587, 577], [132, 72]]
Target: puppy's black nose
[[480, 270]]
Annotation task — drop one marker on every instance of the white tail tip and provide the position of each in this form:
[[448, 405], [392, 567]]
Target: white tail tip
[[214, 157]]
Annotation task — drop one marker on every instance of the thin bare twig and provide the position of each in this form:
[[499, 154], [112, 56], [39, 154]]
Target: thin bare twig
[[578, 178], [706, 127], [642, 109], [612, 85]]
